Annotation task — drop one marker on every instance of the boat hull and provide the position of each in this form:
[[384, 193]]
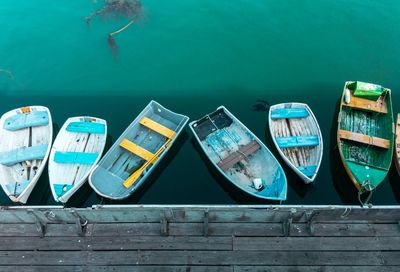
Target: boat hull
[[365, 138], [293, 123], [25, 141], [119, 165], [397, 145], [76, 150], [239, 155]]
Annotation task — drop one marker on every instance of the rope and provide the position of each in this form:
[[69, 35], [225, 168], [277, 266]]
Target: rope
[[366, 187]]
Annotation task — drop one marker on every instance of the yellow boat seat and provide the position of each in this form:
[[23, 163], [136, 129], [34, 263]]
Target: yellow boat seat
[[137, 150], [160, 129]]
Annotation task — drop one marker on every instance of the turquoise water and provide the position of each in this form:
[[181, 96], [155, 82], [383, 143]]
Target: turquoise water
[[193, 56]]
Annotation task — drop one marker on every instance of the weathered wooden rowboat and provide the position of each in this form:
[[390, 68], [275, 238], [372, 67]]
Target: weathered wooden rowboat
[[136, 153], [26, 135], [397, 145], [239, 155], [297, 137], [365, 134], [76, 150]]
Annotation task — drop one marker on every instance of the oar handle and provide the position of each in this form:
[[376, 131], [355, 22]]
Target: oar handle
[[135, 176]]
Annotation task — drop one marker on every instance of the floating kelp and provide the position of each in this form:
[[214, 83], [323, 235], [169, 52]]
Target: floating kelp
[[116, 9]]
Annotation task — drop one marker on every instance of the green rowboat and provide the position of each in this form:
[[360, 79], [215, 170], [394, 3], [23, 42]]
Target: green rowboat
[[365, 134]]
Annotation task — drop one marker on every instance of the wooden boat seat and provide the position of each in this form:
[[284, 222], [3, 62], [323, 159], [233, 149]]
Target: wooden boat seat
[[75, 157], [239, 155], [365, 139], [25, 120], [86, 127], [12, 157], [137, 150], [160, 129], [366, 104], [289, 113], [297, 141]]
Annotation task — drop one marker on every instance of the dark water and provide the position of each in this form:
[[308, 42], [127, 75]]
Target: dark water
[[192, 56]]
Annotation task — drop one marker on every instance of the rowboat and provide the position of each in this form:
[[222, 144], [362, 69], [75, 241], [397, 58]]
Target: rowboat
[[239, 155], [76, 150], [397, 145], [297, 137], [25, 140], [365, 134], [137, 152]]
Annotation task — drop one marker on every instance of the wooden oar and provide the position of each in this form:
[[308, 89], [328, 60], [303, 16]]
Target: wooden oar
[[136, 175]]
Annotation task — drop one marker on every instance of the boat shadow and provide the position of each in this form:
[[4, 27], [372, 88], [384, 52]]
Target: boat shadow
[[341, 181], [394, 181], [236, 194]]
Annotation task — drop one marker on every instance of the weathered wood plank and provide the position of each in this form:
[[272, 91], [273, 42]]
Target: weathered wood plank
[[184, 257], [26, 230], [24, 268], [316, 268], [161, 243], [339, 229], [216, 214], [199, 258], [316, 243], [197, 229], [46, 243], [138, 268]]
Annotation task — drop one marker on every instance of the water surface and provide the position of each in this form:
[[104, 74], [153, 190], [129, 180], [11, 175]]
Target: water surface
[[192, 56]]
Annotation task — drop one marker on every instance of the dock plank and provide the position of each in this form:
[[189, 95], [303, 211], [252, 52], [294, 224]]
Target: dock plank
[[185, 257], [119, 268], [316, 268], [143, 214], [316, 243], [151, 239], [197, 229]]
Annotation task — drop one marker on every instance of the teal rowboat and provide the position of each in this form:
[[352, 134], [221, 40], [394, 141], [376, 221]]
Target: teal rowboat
[[239, 155], [135, 154], [365, 134]]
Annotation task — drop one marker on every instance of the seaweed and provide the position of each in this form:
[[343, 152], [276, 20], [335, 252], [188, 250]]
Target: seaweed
[[116, 9]]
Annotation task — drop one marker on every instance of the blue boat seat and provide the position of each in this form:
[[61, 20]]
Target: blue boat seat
[[75, 157], [289, 113], [308, 171], [12, 157], [61, 189], [297, 141], [86, 127], [25, 120], [16, 188]]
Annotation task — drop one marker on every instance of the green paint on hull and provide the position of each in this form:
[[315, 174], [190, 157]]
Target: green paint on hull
[[367, 163]]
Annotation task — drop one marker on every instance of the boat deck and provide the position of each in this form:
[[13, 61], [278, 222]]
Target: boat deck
[[200, 238]]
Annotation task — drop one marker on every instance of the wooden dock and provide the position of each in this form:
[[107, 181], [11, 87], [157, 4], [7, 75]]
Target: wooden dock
[[200, 238]]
